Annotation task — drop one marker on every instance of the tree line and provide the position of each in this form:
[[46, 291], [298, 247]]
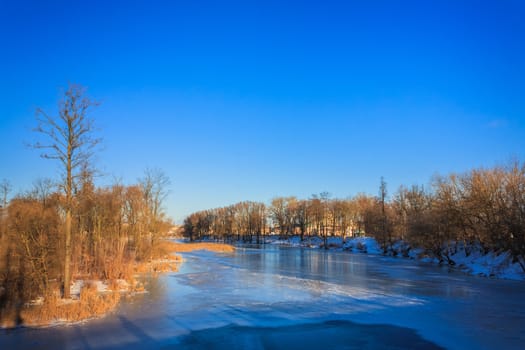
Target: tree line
[[318, 215], [70, 227], [482, 208]]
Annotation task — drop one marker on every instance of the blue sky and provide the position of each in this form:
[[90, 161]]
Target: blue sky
[[249, 100]]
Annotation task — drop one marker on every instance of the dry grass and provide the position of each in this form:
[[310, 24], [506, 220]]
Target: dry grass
[[165, 259], [91, 304], [168, 263], [189, 247]]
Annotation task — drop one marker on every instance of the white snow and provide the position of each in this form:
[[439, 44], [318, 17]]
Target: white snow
[[490, 264], [355, 244], [102, 286], [476, 262], [362, 244]]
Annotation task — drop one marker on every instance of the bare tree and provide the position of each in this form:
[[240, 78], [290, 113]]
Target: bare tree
[[42, 189], [278, 213], [5, 188], [325, 202], [301, 217], [155, 190], [382, 198], [70, 140]]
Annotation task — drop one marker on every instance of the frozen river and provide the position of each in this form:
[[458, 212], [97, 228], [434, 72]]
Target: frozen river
[[290, 297]]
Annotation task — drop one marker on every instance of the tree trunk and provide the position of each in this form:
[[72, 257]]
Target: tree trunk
[[67, 259], [69, 197]]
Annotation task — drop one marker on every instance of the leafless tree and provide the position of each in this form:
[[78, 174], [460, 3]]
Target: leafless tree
[[69, 139], [154, 185], [278, 213], [5, 189], [42, 189]]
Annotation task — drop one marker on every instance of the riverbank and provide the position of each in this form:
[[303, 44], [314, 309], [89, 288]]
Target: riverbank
[[254, 296], [92, 298], [212, 247], [473, 260]]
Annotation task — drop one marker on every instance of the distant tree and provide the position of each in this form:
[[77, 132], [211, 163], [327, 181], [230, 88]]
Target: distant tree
[[513, 205], [70, 140], [42, 189], [315, 212], [189, 228], [320, 214], [385, 231], [258, 219], [278, 213], [134, 212], [325, 203], [342, 214], [382, 198], [154, 185], [301, 217], [5, 189]]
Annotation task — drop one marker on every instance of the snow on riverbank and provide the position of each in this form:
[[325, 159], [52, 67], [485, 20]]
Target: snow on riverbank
[[475, 262], [356, 245], [491, 264], [120, 285]]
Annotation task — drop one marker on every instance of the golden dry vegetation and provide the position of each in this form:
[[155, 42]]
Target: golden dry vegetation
[[92, 303], [168, 260], [71, 230], [213, 247]]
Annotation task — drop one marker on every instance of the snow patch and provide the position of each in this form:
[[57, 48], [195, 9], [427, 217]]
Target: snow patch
[[472, 260], [102, 286], [362, 245], [491, 264]]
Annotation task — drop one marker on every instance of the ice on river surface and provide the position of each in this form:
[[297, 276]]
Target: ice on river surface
[[279, 297]]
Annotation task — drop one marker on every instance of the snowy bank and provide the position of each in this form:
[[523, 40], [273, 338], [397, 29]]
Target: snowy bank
[[119, 285], [355, 244], [490, 264], [472, 261], [363, 245]]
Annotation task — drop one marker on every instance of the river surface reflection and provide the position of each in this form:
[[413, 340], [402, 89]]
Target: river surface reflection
[[274, 297]]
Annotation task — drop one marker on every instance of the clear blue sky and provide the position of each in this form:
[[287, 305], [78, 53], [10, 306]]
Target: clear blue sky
[[249, 100]]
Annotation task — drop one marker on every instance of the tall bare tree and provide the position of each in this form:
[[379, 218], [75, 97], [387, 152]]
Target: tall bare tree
[[154, 185], [70, 140], [5, 188], [278, 213]]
